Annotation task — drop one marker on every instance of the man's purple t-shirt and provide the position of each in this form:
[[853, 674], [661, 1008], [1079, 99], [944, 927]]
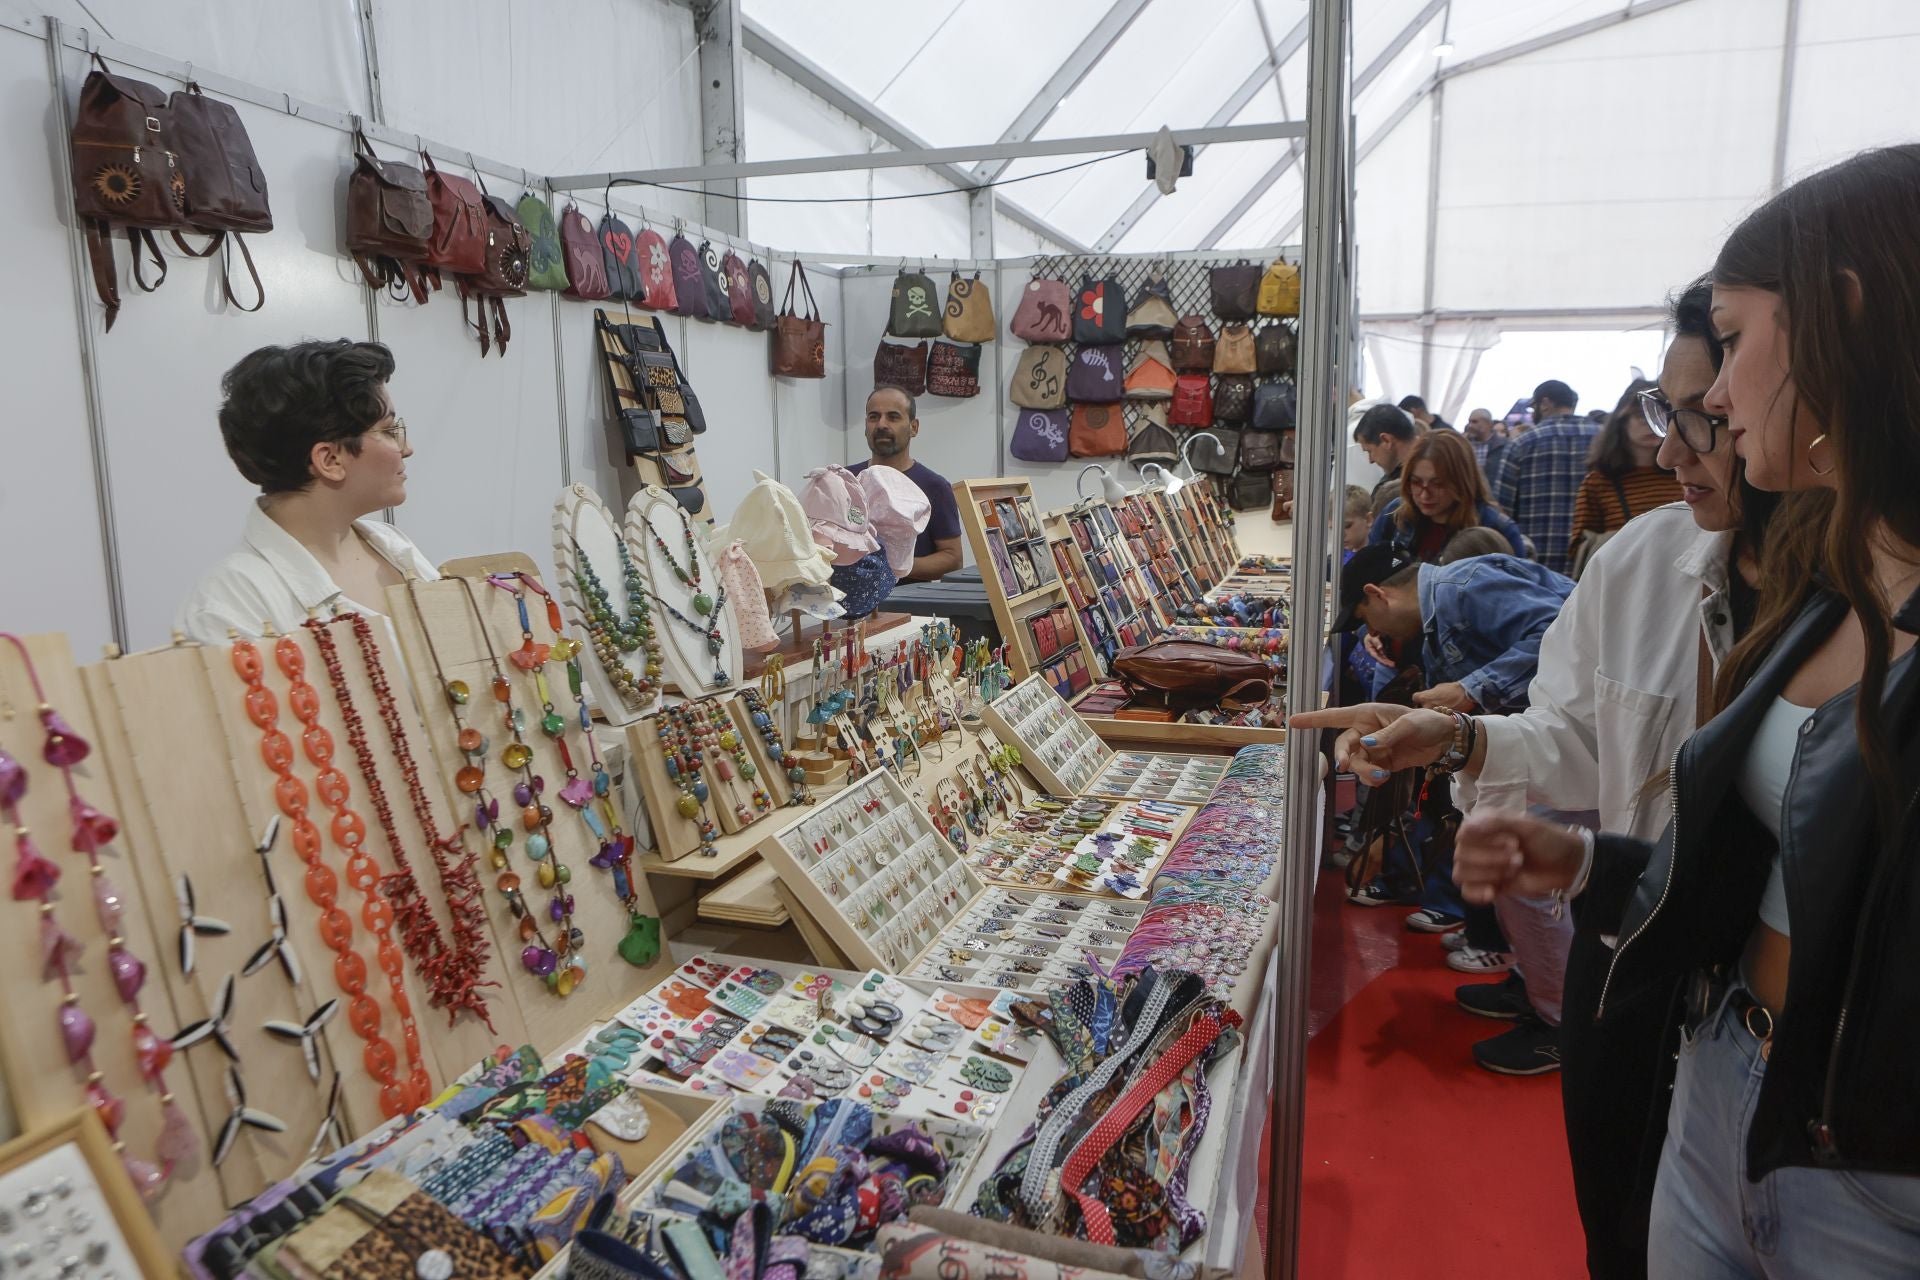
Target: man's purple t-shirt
[[945, 520]]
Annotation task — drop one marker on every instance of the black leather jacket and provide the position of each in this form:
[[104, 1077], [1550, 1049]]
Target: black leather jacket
[[1839, 1089]]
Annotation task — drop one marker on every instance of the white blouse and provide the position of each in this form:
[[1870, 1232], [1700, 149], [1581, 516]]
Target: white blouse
[[271, 579]]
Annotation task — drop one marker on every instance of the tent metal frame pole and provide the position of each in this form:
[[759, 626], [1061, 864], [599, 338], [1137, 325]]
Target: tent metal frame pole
[[1783, 121], [723, 109], [1066, 78], [935, 157], [1435, 139], [1326, 281]]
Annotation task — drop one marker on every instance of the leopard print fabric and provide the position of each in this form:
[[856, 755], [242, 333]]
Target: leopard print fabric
[[390, 1250]]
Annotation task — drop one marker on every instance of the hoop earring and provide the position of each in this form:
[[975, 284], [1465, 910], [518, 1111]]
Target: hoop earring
[[1813, 444]]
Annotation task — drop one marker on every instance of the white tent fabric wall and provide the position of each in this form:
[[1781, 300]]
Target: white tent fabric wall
[[1451, 350]]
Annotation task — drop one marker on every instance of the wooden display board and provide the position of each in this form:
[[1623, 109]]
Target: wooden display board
[[446, 612], [982, 506], [582, 525], [675, 835], [45, 1090]]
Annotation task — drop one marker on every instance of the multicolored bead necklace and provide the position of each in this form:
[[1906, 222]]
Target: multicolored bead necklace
[[776, 750], [613, 635], [453, 972], [725, 734], [33, 880], [559, 962], [705, 606], [679, 746]]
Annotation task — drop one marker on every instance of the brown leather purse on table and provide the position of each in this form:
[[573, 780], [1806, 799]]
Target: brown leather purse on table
[[1188, 674]]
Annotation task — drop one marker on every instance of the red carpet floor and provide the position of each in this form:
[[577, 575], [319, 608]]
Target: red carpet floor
[[1418, 1163]]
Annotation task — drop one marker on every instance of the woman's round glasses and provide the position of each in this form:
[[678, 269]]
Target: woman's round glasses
[[1697, 430]]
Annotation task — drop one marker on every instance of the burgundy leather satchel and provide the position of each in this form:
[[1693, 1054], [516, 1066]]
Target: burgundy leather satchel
[[1192, 674]]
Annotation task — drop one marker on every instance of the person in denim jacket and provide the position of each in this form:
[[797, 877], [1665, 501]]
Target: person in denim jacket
[[1479, 621]]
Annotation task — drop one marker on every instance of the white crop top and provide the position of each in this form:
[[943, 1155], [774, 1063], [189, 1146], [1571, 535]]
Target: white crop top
[[1763, 785]]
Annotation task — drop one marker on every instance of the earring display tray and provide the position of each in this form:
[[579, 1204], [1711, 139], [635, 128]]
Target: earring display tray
[[1143, 775], [872, 870], [1028, 942], [1104, 848], [1056, 745]]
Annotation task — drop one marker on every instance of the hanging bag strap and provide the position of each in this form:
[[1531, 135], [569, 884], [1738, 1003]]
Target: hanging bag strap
[[1703, 685], [226, 269], [799, 275], [1620, 492]]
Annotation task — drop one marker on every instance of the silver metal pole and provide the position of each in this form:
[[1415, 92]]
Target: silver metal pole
[[1322, 418]]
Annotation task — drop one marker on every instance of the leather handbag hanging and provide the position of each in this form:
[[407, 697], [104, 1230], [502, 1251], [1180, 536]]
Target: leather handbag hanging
[[970, 310], [1100, 311], [1040, 435], [760, 287], [1042, 313], [1152, 315], [1192, 401], [389, 222], [1235, 290], [1249, 490], [1273, 407], [1097, 431], [586, 263], [713, 274], [1040, 378], [689, 279], [1233, 398], [1283, 496], [459, 244], [504, 274], [225, 190], [1259, 450], [1217, 462], [953, 370], [1192, 674], [1152, 439], [1192, 345], [622, 262], [739, 290], [1280, 289], [124, 175], [914, 311], [546, 258], [798, 345], [1095, 376], [1274, 351], [656, 271], [1233, 352], [1150, 378], [899, 365]]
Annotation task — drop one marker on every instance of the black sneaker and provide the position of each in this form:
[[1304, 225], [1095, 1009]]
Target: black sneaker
[[1531, 1048], [1505, 1000]]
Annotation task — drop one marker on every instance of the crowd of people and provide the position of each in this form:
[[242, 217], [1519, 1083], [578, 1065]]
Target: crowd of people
[[1667, 816]]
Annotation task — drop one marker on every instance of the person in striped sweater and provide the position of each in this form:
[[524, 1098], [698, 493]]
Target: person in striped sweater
[[1623, 479]]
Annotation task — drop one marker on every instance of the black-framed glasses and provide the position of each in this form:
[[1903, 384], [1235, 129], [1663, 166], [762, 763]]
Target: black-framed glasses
[[1697, 430]]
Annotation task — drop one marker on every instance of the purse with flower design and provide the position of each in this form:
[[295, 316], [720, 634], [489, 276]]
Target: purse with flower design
[[1100, 312]]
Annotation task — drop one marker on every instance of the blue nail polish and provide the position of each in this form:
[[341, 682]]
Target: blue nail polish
[[1369, 741]]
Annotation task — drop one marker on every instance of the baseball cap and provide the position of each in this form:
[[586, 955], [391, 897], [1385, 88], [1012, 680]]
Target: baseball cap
[[1369, 566]]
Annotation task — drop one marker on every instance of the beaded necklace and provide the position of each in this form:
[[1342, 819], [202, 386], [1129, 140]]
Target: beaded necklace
[[558, 963], [708, 607], [454, 971], [724, 734], [397, 1096], [679, 747], [33, 879], [613, 635], [763, 721]]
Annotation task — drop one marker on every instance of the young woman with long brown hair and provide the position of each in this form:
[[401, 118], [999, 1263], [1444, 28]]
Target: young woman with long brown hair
[[1784, 896], [1441, 493], [1624, 477]]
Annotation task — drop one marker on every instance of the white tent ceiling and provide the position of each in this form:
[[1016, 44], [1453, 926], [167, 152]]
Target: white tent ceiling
[[1590, 153]]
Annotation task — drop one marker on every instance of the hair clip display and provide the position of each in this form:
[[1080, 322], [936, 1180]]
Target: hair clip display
[[1054, 742], [1139, 775]]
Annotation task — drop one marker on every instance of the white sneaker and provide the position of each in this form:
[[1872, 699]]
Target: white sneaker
[[1454, 941], [1479, 960]]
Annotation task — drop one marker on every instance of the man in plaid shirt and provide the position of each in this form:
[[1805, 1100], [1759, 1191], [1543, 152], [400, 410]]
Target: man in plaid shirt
[[1540, 473]]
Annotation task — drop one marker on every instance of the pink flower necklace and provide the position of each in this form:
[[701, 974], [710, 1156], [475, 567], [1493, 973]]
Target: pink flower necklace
[[33, 879]]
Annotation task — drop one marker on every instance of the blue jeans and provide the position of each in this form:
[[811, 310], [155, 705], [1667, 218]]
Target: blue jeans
[[1711, 1223]]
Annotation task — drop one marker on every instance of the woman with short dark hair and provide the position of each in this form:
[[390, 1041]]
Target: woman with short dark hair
[[313, 426]]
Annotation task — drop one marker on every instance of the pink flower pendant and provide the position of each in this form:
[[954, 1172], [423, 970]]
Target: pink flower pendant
[[92, 829], [59, 950], [64, 748], [129, 973], [33, 875], [577, 792], [178, 1143], [13, 780]]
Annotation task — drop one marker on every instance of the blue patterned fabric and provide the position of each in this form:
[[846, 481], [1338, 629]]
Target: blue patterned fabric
[[1539, 478], [869, 580]]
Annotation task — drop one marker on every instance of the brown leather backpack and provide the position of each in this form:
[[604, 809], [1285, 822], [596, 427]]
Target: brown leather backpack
[[1191, 674], [1192, 345], [126, 173], [459, 243], [586, 272], [226, 191], [503, 273], [389, 222]]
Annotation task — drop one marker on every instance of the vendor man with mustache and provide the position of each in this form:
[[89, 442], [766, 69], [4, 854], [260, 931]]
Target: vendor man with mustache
[[893, 420]]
